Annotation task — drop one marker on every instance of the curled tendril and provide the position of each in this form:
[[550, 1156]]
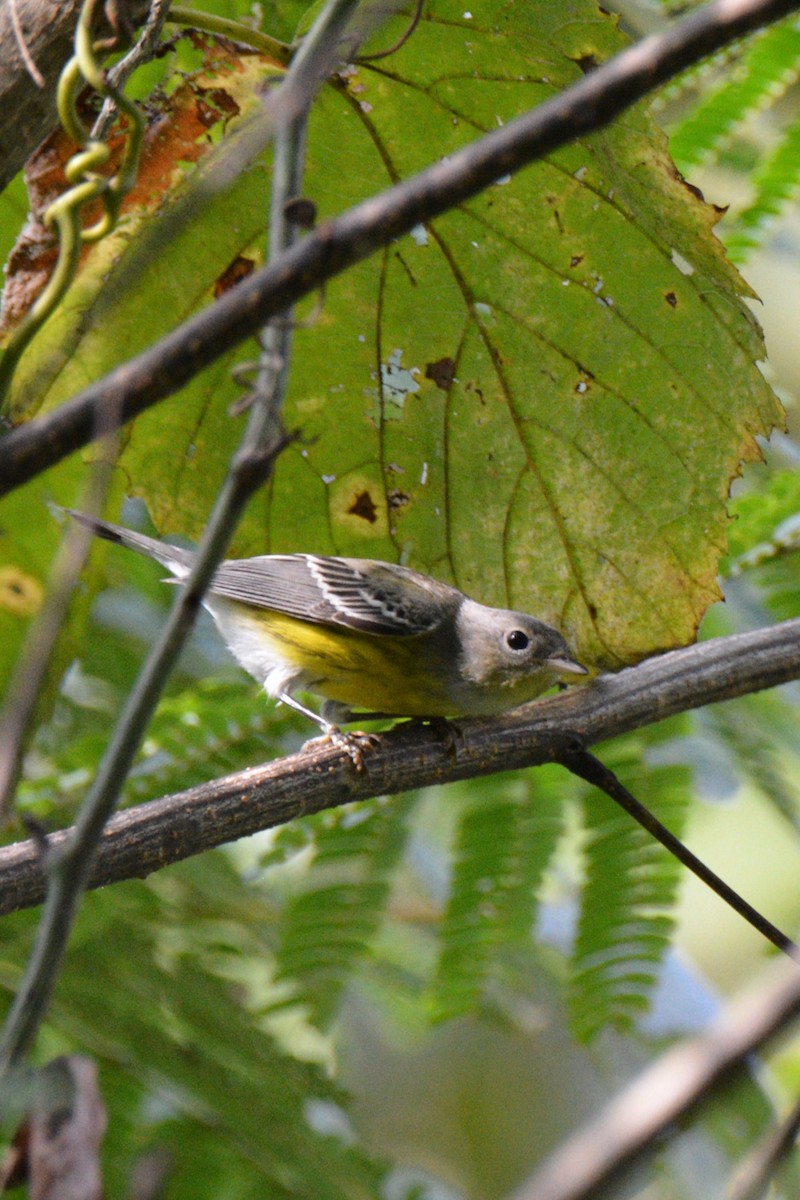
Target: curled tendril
[[88, 183]]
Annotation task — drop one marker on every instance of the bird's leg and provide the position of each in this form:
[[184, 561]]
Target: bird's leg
[[353, 744]]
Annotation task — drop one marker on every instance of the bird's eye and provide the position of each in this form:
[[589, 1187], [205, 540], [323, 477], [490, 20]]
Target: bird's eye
[[516, 639]]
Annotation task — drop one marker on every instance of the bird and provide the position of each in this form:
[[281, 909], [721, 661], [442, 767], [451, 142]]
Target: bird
[[373, 640]]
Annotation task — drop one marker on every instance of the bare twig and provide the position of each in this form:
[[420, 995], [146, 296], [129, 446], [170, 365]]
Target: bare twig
[[590, 104], [24, 52], [287, 180], [150, 836], [141, 52], [759, 1168]]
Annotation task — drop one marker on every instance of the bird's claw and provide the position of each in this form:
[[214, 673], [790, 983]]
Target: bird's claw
[[352, 744]]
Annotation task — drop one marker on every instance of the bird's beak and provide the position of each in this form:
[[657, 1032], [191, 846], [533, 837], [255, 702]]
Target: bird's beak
[[566, 666]]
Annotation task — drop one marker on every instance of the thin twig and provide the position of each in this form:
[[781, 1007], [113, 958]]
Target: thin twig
[[762, 1164], [24, 52], [287, 179], [27, 112], [141, 52], [583, 764], [70, 863], [590, 104]]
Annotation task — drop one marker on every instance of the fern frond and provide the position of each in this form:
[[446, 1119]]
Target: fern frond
[[763, 545], [504, 843], [186, 1064], [764, 519], [329, 926], [208, 730], [627, 901], [758, 738], [763, 73], [775, 183]]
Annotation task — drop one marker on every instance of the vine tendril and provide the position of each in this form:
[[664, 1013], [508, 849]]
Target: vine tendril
[[88, 183]]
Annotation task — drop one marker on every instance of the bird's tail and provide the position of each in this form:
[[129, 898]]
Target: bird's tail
[[175, 559]]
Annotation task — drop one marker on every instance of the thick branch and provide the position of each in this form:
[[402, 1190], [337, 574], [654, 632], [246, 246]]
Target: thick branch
[[164, 831], [42, 32], [589, 105]]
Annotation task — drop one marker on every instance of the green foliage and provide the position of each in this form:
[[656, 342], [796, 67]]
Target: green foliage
[[775, 184], [757, 739], [505, 840], [164, 988], [545, 396], [626, 918], [765, 521], [756, 78], [341, 867], [562, 314], [330, 924], [725, 123], [209, 731], [762, 567]]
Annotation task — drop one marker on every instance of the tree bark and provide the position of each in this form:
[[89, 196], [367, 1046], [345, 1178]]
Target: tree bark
[[38, 32]]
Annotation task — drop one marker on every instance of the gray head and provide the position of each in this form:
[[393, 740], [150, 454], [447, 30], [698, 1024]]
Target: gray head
[[511, 656]]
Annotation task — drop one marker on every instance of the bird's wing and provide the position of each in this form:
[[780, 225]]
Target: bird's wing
[[358, 593]]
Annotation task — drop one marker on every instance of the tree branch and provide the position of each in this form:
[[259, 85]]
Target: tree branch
[[590, 104], [649, 1110], [153, 835]]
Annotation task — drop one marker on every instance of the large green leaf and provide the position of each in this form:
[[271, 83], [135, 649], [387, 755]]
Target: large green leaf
[[543, 396]]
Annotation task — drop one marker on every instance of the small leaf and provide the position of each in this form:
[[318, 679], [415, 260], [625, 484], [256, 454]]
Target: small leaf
[[329, 925], [504, 843], [762, 74], [626, 917]]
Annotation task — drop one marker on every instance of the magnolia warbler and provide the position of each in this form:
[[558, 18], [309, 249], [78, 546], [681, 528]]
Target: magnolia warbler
[[367, 635]]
